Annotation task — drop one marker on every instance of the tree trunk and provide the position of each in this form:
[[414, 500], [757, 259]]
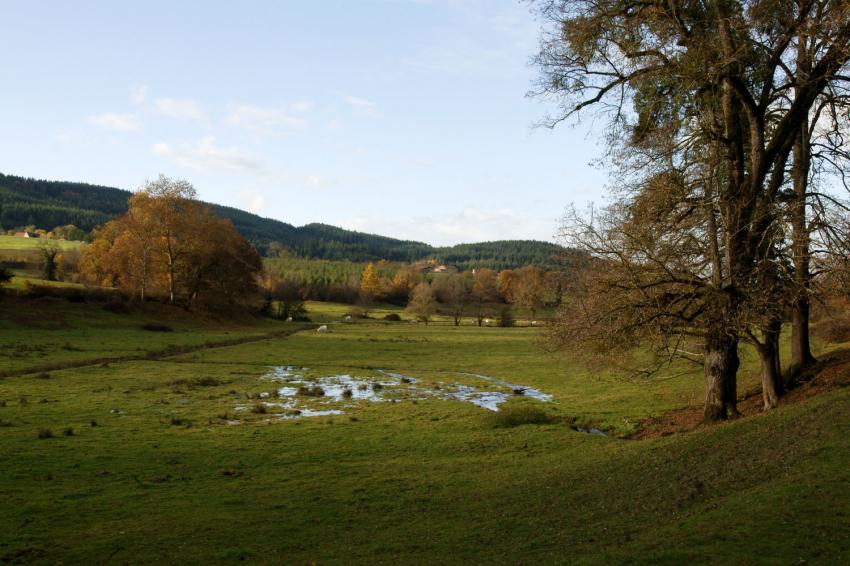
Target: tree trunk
[[801, 353], [771, 370], [721, 372]]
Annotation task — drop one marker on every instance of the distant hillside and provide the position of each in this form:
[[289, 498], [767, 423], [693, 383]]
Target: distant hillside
[[46, 204]]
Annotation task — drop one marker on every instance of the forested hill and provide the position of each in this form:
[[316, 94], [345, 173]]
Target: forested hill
[[47, 204]]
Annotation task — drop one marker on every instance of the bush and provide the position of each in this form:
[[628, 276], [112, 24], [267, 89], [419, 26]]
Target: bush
[[45, 433], [506, 318], [73, 294], [315, 391], [516, 415], [197, 382], [117, 307], [156, 327], [259, 408], [393, 317]]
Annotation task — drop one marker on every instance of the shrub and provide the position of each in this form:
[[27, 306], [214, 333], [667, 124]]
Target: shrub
[[45, 433], [117, 307], [347, 393], [377, 386], [196, 382], [506, 318], [178, 422], [42, 375], [393, 317], [156, 327], [512, 416], [68, 431], [259, 408], [315, 391]]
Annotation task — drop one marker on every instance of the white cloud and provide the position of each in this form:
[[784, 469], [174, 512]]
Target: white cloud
[[258, 203], [361, 105], [182, 108], [468, 225], [139, 94], [262, 119], [205, 156], [253, 201], [302, 106], [117, 121]]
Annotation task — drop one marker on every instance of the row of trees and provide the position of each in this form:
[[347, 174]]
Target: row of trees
[[727, 118], [66, 232], [479, 294], [170, 245]]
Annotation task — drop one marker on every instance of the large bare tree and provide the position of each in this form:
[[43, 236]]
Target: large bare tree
[[714, 91]]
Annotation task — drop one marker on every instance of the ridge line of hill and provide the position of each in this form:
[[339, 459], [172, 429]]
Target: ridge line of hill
[[26, 201]]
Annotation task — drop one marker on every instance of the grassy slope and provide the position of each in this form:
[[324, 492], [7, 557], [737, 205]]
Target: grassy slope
[[432, 482], [51, 331]]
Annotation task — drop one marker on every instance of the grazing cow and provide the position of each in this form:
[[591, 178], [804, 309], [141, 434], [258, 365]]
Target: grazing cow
[[533, 323], [348, 318], [322, 328], [289, 319]]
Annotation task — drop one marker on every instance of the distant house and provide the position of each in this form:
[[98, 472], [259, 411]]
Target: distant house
[[432, 267], [24, 235], [445, 269]]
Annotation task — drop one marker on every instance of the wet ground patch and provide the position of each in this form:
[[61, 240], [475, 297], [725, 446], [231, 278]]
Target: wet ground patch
[[301, 392]]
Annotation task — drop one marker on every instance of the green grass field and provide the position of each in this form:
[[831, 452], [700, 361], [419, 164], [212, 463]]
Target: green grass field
[[16, 243], [152, 472]]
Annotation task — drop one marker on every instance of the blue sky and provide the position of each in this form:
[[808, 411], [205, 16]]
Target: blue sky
[[398, 117]]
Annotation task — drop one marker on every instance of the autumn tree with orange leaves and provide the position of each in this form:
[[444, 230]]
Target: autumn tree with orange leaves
[[168, 244]]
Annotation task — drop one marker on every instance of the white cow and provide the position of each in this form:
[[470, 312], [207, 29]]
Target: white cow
[[322, 328], [348, 318]]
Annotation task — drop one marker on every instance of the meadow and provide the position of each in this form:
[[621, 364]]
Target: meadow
[[167, 459], [8, 243]]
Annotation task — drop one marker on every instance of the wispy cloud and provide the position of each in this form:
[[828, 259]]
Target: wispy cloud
[[253, 201], [259, 119], [468, 225], [205, 156], [302, 106], [117, 121], [361, 105], [139, 94], [181, 108]]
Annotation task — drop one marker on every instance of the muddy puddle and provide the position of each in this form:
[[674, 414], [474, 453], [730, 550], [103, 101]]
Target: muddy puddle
[[298, 393]]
